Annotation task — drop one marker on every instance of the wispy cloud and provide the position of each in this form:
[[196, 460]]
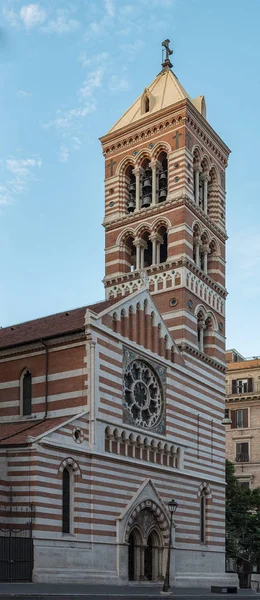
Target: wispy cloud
[[110, 7], [11, 17], [68, 121], [23, 94], [32, 15], [61, 23], [118, 84], [64, 154], [92, 81], [88, 60], [16, 174]]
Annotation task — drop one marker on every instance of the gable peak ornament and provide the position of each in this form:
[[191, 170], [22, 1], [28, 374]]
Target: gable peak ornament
[[166, 64]]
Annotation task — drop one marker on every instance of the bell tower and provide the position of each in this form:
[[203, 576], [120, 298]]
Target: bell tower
[[165, 212]]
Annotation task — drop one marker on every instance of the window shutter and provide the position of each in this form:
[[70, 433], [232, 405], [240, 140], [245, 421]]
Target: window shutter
[[234, 386], [245, 417], [233, 419], [250, 384]]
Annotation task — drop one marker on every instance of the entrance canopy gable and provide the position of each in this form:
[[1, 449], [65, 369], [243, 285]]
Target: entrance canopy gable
[[147, 498]]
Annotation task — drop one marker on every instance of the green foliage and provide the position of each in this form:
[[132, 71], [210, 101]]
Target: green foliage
[[242, 520]]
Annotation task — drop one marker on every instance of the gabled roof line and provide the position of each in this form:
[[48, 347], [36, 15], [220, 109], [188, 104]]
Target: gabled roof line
[[66, 422], [143, 291]]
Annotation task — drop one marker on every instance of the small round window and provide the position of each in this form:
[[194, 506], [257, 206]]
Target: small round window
[[78, 435]]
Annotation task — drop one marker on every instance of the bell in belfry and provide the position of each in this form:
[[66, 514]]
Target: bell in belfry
[[146, 200], [132, 187]]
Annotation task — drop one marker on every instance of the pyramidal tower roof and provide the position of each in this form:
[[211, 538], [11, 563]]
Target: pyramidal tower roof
[[165, 90]]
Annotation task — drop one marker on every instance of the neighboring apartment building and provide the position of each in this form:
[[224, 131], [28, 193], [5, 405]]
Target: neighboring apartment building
[[243, 406]]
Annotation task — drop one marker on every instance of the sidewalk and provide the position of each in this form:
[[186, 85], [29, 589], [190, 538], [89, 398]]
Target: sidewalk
[[63, 590]]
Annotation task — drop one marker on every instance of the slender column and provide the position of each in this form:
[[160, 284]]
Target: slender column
[[205, 250], [197, 184], [137, 172], [158, 253], [154, 238], [142, 257], [154, 164], [138, 254], [197, 252], [201, 326], [206, 180], [206, 262]]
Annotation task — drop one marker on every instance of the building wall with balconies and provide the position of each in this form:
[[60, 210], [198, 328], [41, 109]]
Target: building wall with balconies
[[243, 409]]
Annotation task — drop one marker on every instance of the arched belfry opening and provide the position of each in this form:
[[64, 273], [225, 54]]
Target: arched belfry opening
[[146, 189], [131, 188], [163, 177]]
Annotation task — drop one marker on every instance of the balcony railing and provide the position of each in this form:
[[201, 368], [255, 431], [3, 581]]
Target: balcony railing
[[242, 390], [242, 457]]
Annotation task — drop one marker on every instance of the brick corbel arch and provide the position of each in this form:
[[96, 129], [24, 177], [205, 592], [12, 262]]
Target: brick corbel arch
[[70, 462]]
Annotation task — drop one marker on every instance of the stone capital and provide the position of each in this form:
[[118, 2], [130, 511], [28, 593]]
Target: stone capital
[[155, 164], [205, 177], [205, 248], [139, 243], [138, 171], [155, 237], [196, 240]]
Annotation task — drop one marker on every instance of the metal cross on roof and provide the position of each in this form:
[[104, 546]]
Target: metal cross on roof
[[167, 63]]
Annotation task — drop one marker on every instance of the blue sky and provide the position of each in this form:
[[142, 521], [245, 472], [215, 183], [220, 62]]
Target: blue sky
[[69, 69]]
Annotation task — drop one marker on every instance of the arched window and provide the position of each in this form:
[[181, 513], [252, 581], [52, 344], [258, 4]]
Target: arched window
[[130, 253], [164, 245], [26, 393], [146, 251], [203, 508], [66, 501], [146, 104]]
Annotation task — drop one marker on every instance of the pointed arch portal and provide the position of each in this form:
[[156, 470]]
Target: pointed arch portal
[[147, 537]]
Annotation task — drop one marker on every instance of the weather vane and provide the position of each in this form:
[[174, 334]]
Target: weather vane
[[166, 64]]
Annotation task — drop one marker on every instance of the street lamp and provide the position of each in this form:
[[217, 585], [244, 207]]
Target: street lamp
[[226, 420], [172, 506]]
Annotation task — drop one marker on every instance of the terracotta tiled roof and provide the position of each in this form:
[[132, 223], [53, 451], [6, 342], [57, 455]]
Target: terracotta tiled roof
[[12, 434], [51, 326]]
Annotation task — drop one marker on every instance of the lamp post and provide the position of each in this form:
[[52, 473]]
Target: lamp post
[[172, 506]]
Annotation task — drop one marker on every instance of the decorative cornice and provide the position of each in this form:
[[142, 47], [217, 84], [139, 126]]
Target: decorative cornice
[[130, 218], [184, 347], [162, 268], [139, 131]]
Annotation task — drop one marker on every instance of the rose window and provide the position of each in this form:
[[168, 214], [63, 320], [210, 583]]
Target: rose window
[[143, 394]]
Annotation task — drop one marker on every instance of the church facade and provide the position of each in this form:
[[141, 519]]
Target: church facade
[[109, 411]]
